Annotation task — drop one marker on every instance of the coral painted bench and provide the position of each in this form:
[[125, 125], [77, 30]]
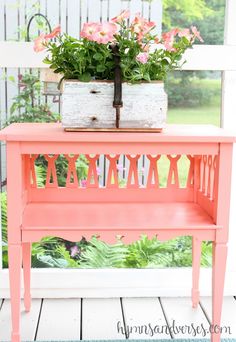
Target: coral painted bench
[[197, 208]]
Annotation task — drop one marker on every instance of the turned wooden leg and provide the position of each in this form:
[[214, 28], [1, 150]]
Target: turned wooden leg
[[14, 255], [218, 277], [26, 255], [196, 263]]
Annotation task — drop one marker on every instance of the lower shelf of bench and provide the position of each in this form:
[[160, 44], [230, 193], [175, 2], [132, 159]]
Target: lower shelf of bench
[[115, 216]]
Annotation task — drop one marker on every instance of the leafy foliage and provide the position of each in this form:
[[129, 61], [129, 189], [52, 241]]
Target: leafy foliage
[[142, 253], [149, 253], [26, 106], [212, 26], [185, 11], [3, 197], [45, 256], [181, 86], [77, 60], [100, 254], [87, 58], [187, 89], [33, 7]]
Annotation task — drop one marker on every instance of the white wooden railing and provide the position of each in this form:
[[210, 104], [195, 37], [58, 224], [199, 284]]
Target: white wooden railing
[[126, 282]]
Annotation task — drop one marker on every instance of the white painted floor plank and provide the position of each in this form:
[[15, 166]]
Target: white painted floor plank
[[181, 315], [29, 320], [228, 315], [100, 318], [144, 318], [59, 320]]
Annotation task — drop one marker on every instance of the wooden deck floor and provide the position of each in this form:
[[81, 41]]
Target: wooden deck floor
[[76, 319]]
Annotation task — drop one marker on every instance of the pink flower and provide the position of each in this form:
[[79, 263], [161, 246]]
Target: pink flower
[[74, 251], [121, 17], [174, 31], [100, 33], [39, 43], [196, 34], [185, 33], [83, 183], [54, 33], [145, 47], [169, 36], [137, 23], [169, 46], [105, 33], [89, 30], [168, 39], [142, 57], [141, 26]]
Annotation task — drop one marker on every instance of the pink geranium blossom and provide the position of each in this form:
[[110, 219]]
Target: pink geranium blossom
[[121, 17], [105, 33], [141, 26], [39, 43], [55, 32], [196, 34], [137, 24], [168, 39], [89, 30], [142, 57], [185, 33], [174, 31]]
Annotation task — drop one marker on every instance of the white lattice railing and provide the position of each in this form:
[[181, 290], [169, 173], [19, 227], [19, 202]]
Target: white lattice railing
[[105, 283]]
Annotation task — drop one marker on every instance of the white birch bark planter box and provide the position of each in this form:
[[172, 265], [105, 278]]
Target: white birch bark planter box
[[89, 106]]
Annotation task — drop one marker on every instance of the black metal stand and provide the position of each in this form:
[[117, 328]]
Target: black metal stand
[[117, 103]]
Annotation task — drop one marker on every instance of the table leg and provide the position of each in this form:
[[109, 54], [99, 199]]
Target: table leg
[[196, 263], [14, 221], [15, 257], [26, 255], [218, 276]]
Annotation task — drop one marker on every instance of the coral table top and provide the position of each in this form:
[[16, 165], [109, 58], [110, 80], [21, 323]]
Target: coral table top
[[172, 133]]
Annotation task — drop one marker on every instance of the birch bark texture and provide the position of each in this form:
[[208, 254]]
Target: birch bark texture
[[90, 105]]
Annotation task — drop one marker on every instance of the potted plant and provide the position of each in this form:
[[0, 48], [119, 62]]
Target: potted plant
[[89, 65]]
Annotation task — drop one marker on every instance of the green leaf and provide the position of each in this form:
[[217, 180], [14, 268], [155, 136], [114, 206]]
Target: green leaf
[[58, 70], [11, 78], [47, 61], [86, 77], [98, 56], [101, 68]]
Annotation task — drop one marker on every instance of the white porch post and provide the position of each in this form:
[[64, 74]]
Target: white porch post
[[229, 121]]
